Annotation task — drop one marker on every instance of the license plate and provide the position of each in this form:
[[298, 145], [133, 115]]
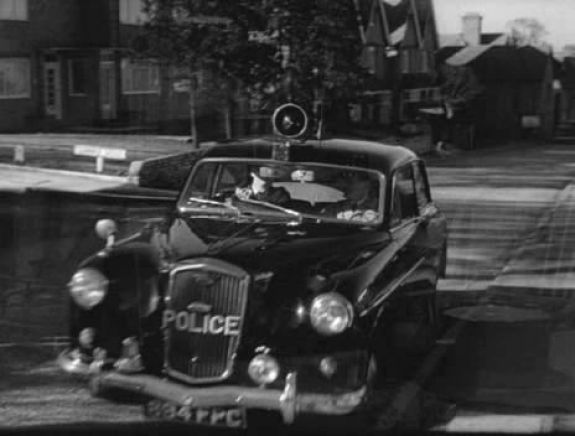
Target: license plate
[[229, 417]]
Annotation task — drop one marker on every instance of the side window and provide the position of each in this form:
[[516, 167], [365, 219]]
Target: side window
[[421, 186], [232, 176], [404, 202], [200, 186]]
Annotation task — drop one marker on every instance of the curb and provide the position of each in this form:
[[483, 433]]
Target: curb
[[102, 177]]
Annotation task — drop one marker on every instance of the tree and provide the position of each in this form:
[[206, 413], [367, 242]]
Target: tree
[[298, 50], [526, 31], [321, 46], [197, 36]]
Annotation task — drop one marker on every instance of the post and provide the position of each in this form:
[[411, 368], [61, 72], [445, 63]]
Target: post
[[19, 154], [100, 164], [193, 120], [193, 124]]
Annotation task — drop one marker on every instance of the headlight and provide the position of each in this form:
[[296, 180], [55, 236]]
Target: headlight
[[330, 314], [88, 287]]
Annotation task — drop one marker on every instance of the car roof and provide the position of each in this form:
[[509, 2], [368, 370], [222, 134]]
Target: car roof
[[337, 151]]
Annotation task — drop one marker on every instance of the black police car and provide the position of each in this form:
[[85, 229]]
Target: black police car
[[291, 277]]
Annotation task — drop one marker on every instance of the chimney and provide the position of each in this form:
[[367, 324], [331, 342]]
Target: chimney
[[471, 28]]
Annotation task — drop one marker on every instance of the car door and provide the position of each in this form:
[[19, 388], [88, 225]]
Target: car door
[[432, 235], [418, 226]]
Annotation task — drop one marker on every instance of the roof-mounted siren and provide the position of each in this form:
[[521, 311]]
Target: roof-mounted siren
[[290, 121]]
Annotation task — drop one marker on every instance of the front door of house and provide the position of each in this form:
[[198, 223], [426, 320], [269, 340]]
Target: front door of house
[[53, 89], [108, 107]]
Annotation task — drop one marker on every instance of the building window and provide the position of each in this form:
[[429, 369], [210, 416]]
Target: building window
[[132, 12], [14, 10], [14, 78], [140, 77], [77, 74]]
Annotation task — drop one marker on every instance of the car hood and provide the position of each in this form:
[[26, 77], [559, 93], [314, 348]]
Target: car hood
[[273, 247], [288, 265]]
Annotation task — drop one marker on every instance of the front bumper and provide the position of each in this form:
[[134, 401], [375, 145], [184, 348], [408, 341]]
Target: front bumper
[[288, 402]]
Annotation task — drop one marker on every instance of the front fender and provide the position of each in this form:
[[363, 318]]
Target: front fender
[[133, 271], [134, 295]]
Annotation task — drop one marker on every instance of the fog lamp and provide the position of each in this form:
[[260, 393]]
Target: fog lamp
[[88, 287], [264, 369], [86, 337], [328, 366]]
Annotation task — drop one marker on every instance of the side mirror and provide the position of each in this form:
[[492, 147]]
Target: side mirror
[[107, 229]]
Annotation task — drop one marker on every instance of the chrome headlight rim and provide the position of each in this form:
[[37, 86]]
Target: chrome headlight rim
[[316, 318], [88, 287]]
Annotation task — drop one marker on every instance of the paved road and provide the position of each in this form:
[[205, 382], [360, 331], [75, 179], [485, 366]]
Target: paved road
[[509, 217]]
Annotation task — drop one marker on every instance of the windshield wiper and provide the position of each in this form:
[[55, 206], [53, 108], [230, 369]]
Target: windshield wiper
[[205, 202], [297, 215]]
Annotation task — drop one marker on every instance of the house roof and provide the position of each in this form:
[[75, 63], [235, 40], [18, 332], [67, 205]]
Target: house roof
[[445, 53], [466, 55], [503, 63], [490, 38], [396, 14]]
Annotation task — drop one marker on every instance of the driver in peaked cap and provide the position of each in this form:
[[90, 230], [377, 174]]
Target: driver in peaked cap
[[262, 190]]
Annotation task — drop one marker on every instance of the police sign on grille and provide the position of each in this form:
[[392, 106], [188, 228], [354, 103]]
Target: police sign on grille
[[194, 322]]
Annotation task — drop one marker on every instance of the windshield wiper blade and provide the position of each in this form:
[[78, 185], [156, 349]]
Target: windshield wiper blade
[[218, 204], [294, 213]]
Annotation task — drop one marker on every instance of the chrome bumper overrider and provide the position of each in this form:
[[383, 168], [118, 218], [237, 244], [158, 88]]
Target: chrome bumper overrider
[[287, 401]]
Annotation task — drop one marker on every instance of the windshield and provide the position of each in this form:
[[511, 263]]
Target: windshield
[[264, 188]]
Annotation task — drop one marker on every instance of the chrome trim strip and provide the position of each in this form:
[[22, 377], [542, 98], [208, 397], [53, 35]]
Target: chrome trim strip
[[287, 401], [220, 267]]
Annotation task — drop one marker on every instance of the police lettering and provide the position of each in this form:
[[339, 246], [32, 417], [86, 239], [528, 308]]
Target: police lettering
[[194, 322]]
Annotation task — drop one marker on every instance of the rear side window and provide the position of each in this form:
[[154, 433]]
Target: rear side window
[[405, 204], [201, 184], [421, 186]]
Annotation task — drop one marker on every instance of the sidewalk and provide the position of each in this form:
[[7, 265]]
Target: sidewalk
[[20, 179], [57, 150], [53, 150]]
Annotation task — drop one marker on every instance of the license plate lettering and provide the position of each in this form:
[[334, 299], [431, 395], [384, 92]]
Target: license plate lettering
[[215, 416]]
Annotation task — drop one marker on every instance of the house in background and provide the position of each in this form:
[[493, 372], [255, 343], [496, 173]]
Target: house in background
[[66, 64], [517, 95], [568, 88], [400, 39]]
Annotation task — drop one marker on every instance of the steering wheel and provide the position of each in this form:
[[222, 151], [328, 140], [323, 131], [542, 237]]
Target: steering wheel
[[224, 193]]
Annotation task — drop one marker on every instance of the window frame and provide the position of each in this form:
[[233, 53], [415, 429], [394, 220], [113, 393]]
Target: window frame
[[126, 15], [419, 169], [220, 161], [28, 79], [16, 17], [129, 64], [71, 77], [395, 222]]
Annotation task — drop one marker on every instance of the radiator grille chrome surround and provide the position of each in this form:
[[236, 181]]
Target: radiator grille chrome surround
[[197, 357]]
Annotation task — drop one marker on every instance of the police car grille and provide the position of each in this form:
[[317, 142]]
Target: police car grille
[[202, 345]]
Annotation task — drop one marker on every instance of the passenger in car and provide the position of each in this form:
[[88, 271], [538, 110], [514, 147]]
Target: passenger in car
[[361, 202]]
